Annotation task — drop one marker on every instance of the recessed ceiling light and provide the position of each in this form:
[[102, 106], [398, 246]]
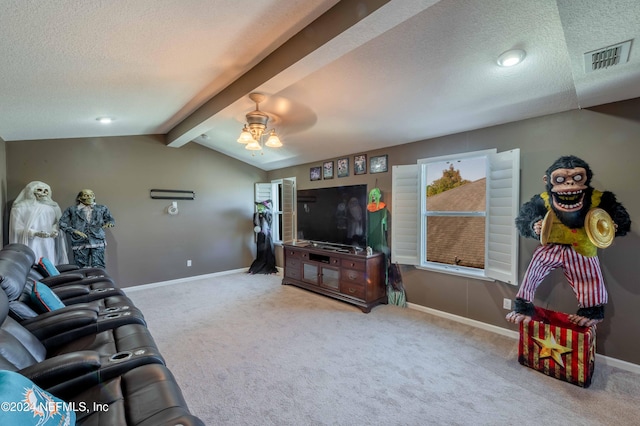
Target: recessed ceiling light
[[511, 58], [105, 120]]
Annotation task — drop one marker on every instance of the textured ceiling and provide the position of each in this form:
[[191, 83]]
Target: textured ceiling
[[365, 75]]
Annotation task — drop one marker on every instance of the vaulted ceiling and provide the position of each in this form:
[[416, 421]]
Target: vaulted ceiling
[[340, 77]]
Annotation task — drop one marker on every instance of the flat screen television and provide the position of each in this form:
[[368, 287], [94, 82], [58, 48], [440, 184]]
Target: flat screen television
[[335, 215]]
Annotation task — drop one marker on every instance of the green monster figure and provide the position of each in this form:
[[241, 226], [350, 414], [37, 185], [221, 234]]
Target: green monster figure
[[377, 239]]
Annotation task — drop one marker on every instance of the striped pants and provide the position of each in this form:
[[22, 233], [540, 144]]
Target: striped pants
[[583, 273]]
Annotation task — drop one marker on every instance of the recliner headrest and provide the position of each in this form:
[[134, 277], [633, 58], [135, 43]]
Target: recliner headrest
[[14, 270], [22, 248]]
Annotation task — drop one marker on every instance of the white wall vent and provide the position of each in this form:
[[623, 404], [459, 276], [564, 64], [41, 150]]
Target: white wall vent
[[607, 56]]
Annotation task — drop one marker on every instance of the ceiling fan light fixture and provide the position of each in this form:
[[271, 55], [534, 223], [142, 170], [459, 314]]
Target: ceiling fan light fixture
[[253, 146], [511, 57], [256, 127], [245, 136], [274, 140]]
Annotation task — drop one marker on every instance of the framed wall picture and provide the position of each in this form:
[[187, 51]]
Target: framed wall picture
[[315, 173], [327, 170], [379, 164], [360, 164], [343, 167]]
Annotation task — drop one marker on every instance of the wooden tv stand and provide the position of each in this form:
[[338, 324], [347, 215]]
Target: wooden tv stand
[[353, 278]]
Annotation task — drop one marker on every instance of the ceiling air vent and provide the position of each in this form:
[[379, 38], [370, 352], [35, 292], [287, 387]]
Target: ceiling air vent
[[607, 56]]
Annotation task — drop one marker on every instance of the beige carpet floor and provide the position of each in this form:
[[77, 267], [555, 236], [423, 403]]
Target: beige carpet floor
[[248, 351]]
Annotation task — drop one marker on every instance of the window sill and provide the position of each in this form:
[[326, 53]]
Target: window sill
[[456, 270]]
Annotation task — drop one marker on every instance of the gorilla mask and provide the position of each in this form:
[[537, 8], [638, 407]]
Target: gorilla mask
[[567, 182]]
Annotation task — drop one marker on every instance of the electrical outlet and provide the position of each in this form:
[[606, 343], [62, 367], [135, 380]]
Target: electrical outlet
[[506, 303], [188, 263]]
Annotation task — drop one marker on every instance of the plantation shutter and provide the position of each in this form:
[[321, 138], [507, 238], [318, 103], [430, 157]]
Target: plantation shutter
[[405, 218], [288, 210], [503, 187], [262, 192]]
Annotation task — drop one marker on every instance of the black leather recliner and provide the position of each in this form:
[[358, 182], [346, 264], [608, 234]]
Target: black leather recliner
[[144, 396], [69, 288], [98, 355], [68, 323], [114, 390], [68, 291], [110, 352], [64, 269]]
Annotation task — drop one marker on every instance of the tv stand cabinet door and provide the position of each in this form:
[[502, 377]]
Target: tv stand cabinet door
[[330, 278], [323, 276], [310, 273]]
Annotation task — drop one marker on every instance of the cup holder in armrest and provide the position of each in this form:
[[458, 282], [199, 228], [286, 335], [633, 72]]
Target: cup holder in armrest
[[121, 356], [114, 315], [112, 309], [125, 355]]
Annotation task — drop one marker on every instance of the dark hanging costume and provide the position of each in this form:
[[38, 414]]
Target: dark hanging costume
[[265, 262], [377, 240]]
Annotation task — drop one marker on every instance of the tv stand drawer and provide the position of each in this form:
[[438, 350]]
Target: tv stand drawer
[[353, 290], [360, 265], [293, 253], [351, 276]]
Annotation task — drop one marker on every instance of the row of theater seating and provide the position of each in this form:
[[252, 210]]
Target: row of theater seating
[[75, 350]]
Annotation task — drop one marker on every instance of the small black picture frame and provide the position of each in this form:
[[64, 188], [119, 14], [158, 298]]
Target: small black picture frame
[[343, 167], [379, 164], [315, 173], [327, 170], [360, 164]]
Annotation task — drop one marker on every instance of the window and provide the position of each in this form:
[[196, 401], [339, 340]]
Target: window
[[455, 214], [282, 194]]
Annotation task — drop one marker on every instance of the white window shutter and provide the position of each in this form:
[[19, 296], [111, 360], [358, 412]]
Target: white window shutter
[[503, 188], [262, 192], [288, 210], [405, 217]]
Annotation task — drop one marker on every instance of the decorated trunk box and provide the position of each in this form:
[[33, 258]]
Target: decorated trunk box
[[553, 345]]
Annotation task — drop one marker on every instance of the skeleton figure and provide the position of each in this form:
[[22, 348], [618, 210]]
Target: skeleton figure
[[34, 222], [85, 223]]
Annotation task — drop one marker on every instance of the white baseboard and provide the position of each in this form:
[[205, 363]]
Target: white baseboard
[[611, 362], [182, 280], [187, 279]]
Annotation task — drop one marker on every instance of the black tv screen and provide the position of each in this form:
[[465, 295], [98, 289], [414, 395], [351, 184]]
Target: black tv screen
[[335, 215]]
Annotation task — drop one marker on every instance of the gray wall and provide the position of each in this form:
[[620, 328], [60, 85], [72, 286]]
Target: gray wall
[[147, 245], [607, 139], [3, 180]]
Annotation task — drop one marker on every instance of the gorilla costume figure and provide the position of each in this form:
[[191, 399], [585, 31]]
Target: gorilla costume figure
[[570, 198]]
